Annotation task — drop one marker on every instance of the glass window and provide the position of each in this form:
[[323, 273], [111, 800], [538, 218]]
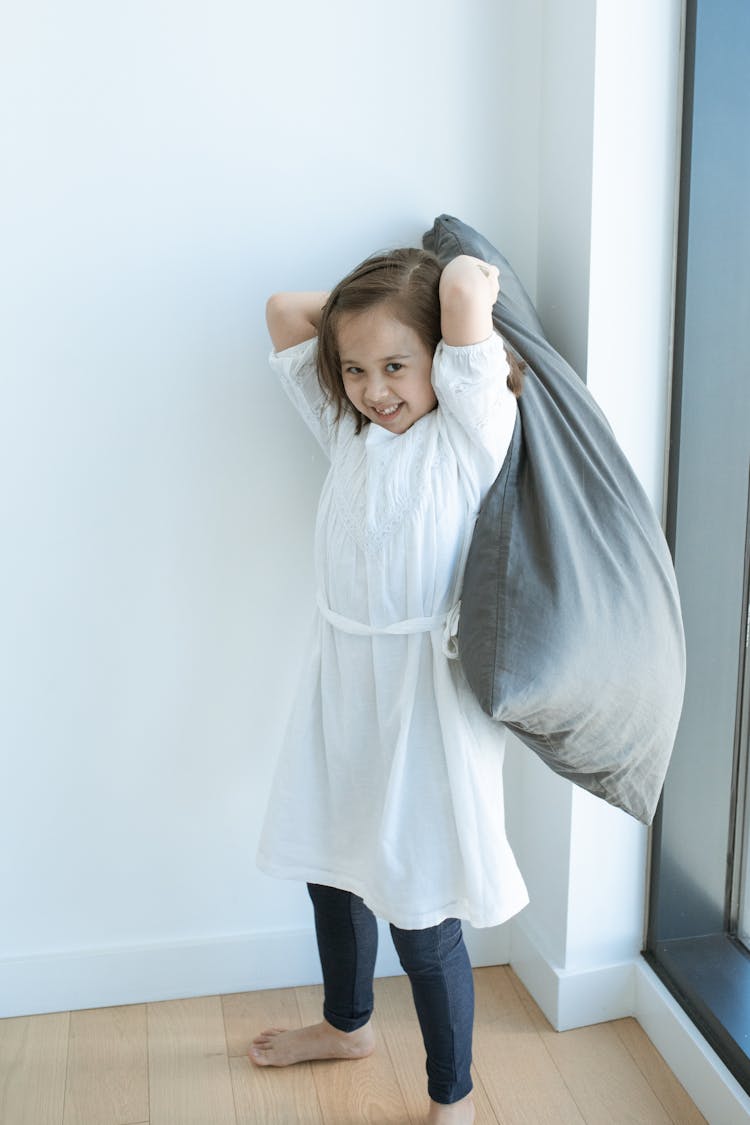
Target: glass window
[[700, 902]]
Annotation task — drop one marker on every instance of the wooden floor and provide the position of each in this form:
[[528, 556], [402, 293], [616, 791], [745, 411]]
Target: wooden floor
[[183, 1062]]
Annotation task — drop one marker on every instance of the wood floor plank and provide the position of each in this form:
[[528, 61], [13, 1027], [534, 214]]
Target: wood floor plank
[[671, 1093], [403, 1039], [271, 1095], [33, 1056], [600, 1072], [358, 1091], [523, 1083], [604, 1079], [107, 1080], [189, 1074], [274, 1095], [248, 1013]]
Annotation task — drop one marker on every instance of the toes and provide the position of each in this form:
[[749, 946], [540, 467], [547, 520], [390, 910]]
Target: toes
[[262, 1046], [267, 1035], [257, 1056]]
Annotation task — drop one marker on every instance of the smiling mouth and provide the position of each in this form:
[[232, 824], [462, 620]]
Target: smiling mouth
[[387, 411]]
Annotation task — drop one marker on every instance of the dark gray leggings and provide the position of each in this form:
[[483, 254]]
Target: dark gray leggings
[[434, 959]]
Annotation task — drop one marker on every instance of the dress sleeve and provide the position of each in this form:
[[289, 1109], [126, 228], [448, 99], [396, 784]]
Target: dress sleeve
[[297, 371], [477, 407]]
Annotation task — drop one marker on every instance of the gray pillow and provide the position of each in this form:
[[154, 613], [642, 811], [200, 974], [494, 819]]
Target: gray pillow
[[570, 629]]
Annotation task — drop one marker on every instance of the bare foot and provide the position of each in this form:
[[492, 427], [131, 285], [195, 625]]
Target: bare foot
[[459, 1113], [276, 1047]]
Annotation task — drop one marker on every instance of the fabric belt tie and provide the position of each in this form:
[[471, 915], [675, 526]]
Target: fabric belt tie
[[448, 622]]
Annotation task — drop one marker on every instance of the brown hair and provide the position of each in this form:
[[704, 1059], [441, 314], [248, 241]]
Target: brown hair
[[406, 279]]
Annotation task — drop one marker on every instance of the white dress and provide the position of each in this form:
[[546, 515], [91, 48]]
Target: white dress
[[389, 782]]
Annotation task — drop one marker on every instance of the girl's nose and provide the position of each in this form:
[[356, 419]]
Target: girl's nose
[[377, 388]]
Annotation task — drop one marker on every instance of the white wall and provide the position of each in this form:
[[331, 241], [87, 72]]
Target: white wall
[[166, 167]]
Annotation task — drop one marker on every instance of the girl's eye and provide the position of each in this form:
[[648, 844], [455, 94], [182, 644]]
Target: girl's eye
[[352, 370], [393, 367]]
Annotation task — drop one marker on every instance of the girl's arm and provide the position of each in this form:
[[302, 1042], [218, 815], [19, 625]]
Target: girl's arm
[[468, 291], [293, 317]]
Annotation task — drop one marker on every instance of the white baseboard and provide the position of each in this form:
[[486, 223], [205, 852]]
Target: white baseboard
[[103, 977], [98, 978], [488, 947], [571, 998]]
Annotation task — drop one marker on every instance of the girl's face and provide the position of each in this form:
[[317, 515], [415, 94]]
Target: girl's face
[[386, 369]]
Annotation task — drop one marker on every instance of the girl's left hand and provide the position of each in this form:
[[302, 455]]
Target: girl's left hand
[[468, 291], [492, 273]]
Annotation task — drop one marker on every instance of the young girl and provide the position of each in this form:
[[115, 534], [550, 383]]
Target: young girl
[[388, 797]]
